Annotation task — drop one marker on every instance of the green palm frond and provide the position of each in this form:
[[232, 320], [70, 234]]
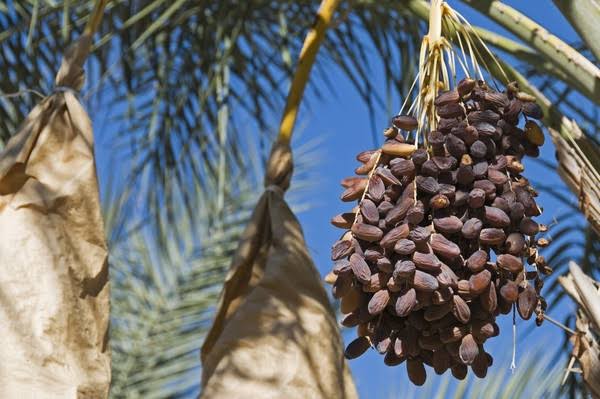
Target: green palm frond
[[583, 15], [162, 305], [163, 301]]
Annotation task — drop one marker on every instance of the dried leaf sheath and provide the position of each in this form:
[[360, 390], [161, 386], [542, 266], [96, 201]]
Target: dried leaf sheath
[[274, 321], [53, 255], [586, 349]]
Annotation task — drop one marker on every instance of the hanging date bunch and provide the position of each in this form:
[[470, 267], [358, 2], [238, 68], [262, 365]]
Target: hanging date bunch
[[443, 239]]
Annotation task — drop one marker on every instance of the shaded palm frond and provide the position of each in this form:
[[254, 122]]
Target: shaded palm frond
[[162, 305], [583, 16], [163, 299]]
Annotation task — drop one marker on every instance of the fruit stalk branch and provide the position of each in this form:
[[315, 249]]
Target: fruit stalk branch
[[313, 41], [96, 17], [431, 63], [435, 22]]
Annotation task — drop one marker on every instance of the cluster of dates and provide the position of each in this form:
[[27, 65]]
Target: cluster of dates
[[439, 243]]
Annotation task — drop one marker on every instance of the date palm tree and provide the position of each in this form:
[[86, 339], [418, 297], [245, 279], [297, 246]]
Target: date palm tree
[[184, 87]]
